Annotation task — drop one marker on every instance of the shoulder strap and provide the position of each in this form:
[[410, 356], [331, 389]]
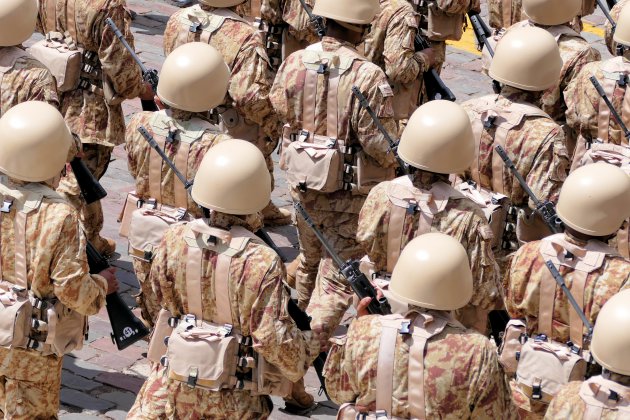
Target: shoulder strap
[[599, 394], [71, 20], [390, 328]]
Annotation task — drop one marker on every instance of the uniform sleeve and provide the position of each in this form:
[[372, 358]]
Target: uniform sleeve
[[399, 51], [250, 85], [517, 285], [132, 147], [278, 94], [458, 7], [72, 283], [274, 333], [117, 63], [486, 291], [585, 56], [550, 168], [373, 223], [44, 89], [271, 11]]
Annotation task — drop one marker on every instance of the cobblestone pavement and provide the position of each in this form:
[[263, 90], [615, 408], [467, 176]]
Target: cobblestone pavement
[[101, 382]]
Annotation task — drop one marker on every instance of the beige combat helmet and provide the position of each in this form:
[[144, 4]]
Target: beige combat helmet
[[34, 142], [610, 345], [194, 78], [551, 12], [595, 199], [438, 138], [433, 272], [527, 58], [233, 179], [17, 21], [622, 32], [221, 3], [358, 12]]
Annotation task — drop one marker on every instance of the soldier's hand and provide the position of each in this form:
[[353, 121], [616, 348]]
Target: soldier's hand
[[362, 306], [426, 57], [147, 94], [112, 281]]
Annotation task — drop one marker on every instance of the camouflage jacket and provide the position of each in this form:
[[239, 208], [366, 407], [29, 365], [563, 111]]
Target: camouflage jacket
[[462, 378], [354, 123], [243, 50], [523, 282], [26, 80], [504, 13], [461, 219], [536, 146], [258, 299], [138, 152], [86, 112], [292, 14]]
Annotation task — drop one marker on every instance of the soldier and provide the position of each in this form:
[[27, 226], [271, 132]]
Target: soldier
[[587, 112], [553, 16], [593, 203], [44, 264], [453, 373], [526, 62], [390, 45], [437, 142], [605, 396], [22, 77], [218, 271], [246, 112], [194, 78], [312, 94], [93, 110]]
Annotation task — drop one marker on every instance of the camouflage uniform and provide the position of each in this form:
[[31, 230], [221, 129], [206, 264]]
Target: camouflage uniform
[[523, 282], [26, 80], [56, 268], [460, 218], [587, 114], [138, 151], [247, 102], [614, 12], [259, 309], [569, 405], [100, 126], [462, 378]]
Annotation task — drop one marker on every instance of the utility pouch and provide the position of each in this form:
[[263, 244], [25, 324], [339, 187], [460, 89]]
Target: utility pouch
[[62, 57], [444, 26], [66, 330], [162, 330], [370, 173], [134, 203], [269, 380], [16, 314], [530, 226], [147, 228], [514, 336]]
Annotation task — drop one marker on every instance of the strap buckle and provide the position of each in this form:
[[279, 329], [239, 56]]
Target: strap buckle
[[194, 28], [489, 122], [181, 213], [193, 375], [303, 135], [537, 391], [6, 205], [404, 327], [151, 203], [227, 329]]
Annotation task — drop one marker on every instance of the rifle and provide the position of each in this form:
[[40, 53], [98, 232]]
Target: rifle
[[188, 184], [350, 270], [303, 322], [126, 327], [560, 280], [316, 21], [363, 102], [482, 32], [433, 83], [91, 189], [606, 12], [613, 111], [148, 75], [546, 209]]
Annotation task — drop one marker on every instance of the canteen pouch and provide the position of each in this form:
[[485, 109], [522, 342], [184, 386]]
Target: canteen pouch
[[109, 93], [147, 229], [315, 165], [444, 26], [530, 226], [16, 311], [510, 349], [370, 173], [63, 59], [66, 330], [162, 330], [133, 203], [545, 366], [203, 354], [269, 380]]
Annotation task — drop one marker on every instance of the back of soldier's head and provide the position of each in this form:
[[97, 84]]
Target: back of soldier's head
[[527, 58], [610, 345], [34, 142], [17, 21], [438, 138], [233, 179], [221, 3], [351, 14], [551, 12], [194, 78], [433, 272], [595, 199]]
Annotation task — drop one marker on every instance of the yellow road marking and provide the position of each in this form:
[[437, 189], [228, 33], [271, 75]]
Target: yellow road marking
[[468, 43]]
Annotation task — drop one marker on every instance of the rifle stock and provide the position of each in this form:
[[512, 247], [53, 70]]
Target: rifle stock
[[433, 83], [482, 32], [91, 189]]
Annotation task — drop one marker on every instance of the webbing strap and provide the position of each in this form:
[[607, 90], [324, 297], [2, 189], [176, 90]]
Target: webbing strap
[[394, 235], [181, 162], [576, 331], [545, 303], [20, 249], [507, 13], [1, 218], [51, 16], [604, 116], [592, 412], [309, 101], [193, 282], [623, 240], [71, 25], [222, 290], [332, 106], [385, 364], [155, 171]]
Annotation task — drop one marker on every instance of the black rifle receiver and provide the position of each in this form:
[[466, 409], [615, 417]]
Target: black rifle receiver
[[316, 21], [126, 327], [605, 10], [149, 75], [349, 269], [613, 111], [433, 83], [482, 32], [546, 209], [91, 189]]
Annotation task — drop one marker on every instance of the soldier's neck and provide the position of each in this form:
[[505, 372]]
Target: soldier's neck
[[211, 8], [518, 95], [181, 115], [580, 238], [424, 179], [615, 377], [225, 221]]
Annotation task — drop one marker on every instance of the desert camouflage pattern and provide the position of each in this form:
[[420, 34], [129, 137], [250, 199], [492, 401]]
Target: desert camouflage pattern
[[462, 378], [336, 213], [614, 12], [568, 404], [259, 309], [292, 14], [56, 268], [27, 80], [86, 113], [536, 147], [461, 219]]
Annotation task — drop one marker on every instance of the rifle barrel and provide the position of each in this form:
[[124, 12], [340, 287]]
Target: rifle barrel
[[122, 39], [331, 251], [613, 111], [508, 162], [149, 138], [560, 280], [606, 13]]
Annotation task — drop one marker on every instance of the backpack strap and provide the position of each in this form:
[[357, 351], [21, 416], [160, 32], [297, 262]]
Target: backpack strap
[[612, 71], [197, 18], [71, 24], [599, 394], [390, 328]]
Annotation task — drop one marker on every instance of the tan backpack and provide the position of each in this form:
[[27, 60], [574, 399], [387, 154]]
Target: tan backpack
[[213, 355], [327, 163], [27, 321], [438, 25], [599, 394], [424, 327]]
